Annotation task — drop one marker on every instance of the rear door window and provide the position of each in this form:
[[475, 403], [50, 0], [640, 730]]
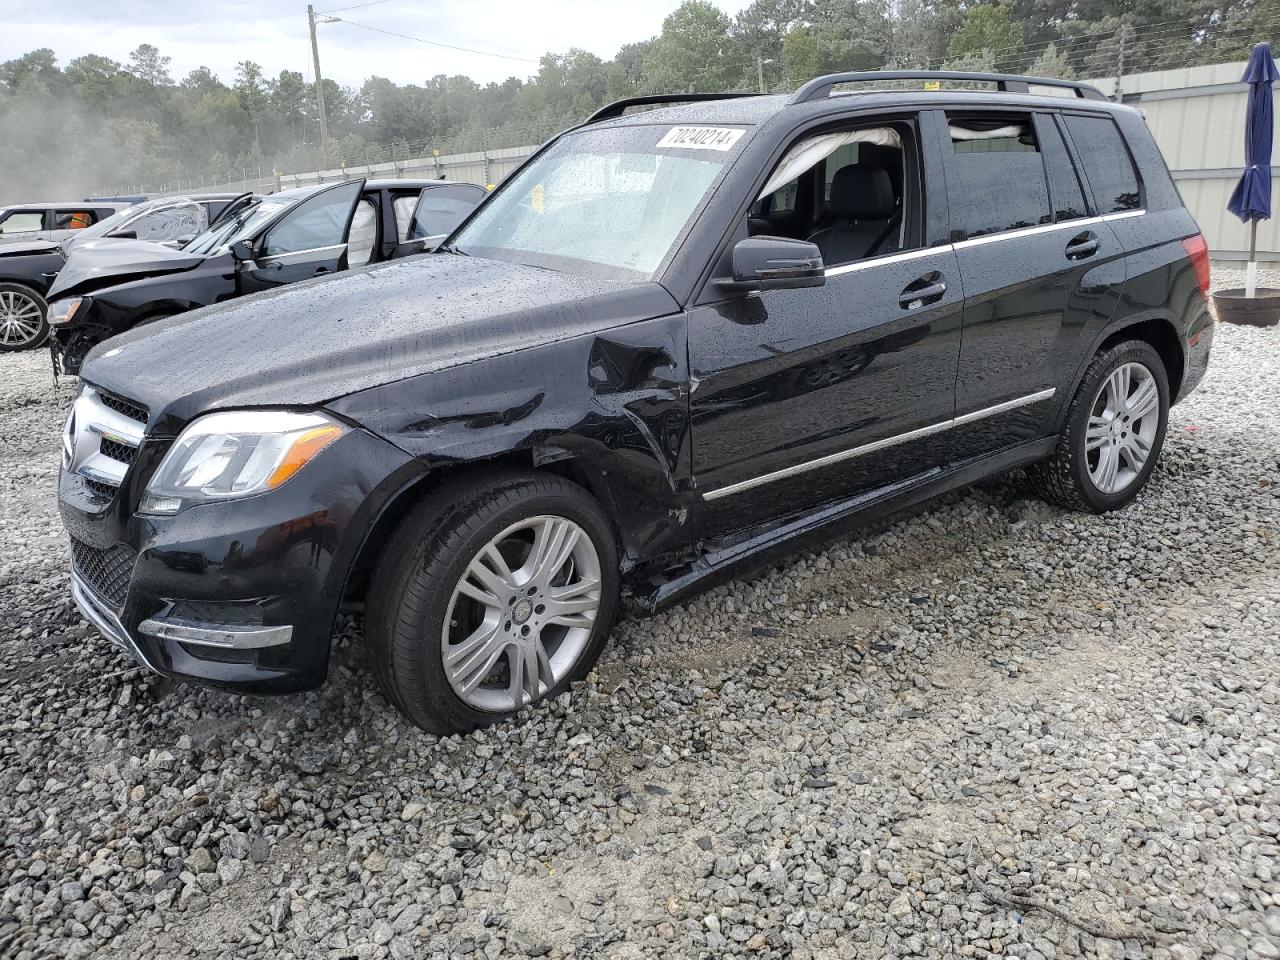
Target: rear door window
[[1000, 174], [1106, 161], [1065, 194]]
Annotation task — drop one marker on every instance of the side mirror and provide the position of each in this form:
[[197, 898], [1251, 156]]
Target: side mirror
[[412, 247], [242, 250], [774, 263], [126, 235]]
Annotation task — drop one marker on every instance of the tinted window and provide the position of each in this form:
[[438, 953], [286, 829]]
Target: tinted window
[[439, 213], [1064, 187], [1106, 162], [320, 221], [1000, 175], [22, 221]]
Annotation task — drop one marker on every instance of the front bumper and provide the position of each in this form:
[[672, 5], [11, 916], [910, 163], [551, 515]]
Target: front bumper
[[239, 594]]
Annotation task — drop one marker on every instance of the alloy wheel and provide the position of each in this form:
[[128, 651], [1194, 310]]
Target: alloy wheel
[[20, 320], [521, 614], [1122, 427]]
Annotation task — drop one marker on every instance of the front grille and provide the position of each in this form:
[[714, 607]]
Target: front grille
[[230, 614], [106, 571], [118, 451], [134, 411], [100, 491]]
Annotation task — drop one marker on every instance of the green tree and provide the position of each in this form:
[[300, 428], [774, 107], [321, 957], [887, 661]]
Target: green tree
[[37, 68], [694, 52], [149, 66], [989, 28]]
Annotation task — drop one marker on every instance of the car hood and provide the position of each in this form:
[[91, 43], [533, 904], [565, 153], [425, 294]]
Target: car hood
[[308, 343], [92, 266], [26, 248]]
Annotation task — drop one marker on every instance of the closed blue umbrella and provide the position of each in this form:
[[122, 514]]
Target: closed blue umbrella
[[1251, 199]]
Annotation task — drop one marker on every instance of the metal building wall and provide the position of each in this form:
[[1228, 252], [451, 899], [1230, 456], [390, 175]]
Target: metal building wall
[[1197, 117]]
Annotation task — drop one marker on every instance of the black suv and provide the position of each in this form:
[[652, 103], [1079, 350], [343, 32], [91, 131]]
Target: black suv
[[257, 243], [672, 343]]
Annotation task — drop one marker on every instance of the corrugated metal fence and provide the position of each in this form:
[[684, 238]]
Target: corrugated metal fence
[[1197, 118]]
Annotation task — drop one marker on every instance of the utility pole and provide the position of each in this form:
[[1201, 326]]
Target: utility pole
[[315, 56], [760, 62], [1124, 33]]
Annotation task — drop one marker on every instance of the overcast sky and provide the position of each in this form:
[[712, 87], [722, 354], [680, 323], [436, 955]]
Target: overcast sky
[[220, 33]]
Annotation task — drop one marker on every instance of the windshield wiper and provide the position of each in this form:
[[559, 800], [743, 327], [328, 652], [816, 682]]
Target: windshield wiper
[[450, 248]]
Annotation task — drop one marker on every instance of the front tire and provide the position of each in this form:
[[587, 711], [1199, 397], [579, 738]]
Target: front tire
[[1113, 434], [23, 323], [496, 592]]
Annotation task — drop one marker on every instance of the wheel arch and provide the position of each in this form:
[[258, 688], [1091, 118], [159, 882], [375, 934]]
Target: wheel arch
[[1160, 332], [403, 502]]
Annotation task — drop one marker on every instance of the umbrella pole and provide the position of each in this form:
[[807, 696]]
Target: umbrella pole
[[1251, 274]]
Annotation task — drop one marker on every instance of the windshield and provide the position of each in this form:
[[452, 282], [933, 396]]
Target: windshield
[[241, 224], [610, 202]]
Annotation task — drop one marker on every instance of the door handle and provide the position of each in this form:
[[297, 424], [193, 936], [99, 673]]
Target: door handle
[[926, 290], [320, 271], [1083, 245]]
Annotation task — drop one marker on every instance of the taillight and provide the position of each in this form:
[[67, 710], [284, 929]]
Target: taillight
[[1198, 253]]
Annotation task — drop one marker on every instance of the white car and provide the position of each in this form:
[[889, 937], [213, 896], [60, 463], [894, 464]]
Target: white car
[[52, 221]]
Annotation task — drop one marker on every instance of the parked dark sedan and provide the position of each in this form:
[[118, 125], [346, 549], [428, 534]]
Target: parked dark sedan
[[258, 244], [28, 269]]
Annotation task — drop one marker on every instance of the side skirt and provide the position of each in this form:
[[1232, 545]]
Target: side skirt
[[719, 564]]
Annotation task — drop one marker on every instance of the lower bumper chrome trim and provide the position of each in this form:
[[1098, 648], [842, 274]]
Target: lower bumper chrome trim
[[98, 612], [224, 637]]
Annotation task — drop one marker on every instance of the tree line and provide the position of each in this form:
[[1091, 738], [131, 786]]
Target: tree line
[[97, 123]]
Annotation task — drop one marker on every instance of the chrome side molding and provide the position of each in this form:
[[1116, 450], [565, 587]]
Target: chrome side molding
[[879, 445]]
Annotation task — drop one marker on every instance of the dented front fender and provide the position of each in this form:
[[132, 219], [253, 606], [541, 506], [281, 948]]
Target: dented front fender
[[615, 402]]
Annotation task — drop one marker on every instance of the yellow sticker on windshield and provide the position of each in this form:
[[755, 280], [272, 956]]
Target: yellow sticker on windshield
[[538, 199], [702, 138]]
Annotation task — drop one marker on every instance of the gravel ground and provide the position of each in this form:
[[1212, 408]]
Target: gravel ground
[[993, 728]]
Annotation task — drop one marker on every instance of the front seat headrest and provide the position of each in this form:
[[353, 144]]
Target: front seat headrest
[[862, 193]]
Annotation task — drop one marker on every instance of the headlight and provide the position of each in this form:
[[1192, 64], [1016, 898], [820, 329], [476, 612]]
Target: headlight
[[221, 456], [61, 311]]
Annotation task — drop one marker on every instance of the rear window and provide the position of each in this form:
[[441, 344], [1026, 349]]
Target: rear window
[[1106, 161], [1001, 175]]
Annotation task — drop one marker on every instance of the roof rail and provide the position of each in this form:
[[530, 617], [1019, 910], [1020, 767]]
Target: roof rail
[[611, 111], [820, 87]]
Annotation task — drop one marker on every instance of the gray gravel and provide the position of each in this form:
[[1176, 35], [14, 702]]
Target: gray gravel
[[902, 745]]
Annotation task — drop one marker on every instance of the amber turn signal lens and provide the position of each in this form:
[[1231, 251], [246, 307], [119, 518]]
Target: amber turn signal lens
[[302, 452]]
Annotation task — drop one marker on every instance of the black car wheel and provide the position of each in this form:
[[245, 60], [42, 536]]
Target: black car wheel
[[497, 592], [1114, 431], [22, 318]]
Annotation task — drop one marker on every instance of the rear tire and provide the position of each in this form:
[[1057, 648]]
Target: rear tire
[[1113, 432], [23, 318], [494, 593]]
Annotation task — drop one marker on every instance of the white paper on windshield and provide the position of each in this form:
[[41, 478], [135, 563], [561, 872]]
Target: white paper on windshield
[[702, 138]]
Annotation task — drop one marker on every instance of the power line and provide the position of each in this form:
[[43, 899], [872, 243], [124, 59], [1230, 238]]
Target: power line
[[435, 43], [371, 3]]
